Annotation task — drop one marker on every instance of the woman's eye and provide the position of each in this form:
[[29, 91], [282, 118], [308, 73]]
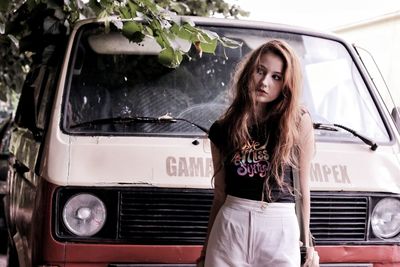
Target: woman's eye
[[260, 71], [277, 77]]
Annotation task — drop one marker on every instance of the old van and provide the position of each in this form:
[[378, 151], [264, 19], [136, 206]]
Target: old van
[[110, 162]]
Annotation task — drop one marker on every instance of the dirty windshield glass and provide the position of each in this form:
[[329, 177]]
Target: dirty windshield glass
[[112, 78]]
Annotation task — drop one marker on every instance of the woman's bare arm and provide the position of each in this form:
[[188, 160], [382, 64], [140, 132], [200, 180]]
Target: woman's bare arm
[[219, 190], [306, 154]]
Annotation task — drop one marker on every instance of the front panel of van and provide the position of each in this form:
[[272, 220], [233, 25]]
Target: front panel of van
[[126, 172]]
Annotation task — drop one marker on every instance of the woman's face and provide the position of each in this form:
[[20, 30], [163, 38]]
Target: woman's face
[[268, 78]]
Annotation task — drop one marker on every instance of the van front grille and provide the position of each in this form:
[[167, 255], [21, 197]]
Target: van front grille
[[338, 217], [164, 216], [180, 216]]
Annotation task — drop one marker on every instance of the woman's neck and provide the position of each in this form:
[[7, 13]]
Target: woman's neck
[[261, 111]]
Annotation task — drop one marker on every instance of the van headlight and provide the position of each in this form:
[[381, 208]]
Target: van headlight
[[385, 221], [84, 214]]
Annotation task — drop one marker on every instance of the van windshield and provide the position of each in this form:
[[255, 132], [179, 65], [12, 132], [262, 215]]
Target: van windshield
[[112, 78]]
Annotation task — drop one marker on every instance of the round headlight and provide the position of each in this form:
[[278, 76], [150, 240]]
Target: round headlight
[[84, 214], [385, 221]]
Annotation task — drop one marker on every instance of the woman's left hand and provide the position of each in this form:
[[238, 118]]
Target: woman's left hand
[[309, 256]]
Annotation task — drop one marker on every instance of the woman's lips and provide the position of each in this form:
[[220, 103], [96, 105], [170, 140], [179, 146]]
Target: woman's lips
[[262, 91]]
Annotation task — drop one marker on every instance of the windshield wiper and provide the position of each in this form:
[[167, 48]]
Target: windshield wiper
[[124, 120], [334, 126]]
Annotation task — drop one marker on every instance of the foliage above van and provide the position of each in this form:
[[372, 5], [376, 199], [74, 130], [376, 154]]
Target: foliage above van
[[35, 27]]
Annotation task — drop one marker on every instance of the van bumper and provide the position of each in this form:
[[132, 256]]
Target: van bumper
[[106, 255], [374, 255]]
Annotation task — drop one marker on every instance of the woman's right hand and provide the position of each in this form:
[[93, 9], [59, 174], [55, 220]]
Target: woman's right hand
[[200, 261]]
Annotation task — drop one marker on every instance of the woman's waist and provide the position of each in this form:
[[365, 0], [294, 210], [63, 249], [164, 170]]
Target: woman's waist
[[244, 204], [274, 196]]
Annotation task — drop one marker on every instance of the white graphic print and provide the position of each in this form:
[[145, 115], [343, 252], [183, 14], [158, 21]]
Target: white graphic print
[[252, 160]]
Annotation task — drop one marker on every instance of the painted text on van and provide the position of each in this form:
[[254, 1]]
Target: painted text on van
[[191, 166], [329, 173]]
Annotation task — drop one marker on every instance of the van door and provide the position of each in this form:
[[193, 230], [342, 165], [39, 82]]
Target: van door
[[27, 136]]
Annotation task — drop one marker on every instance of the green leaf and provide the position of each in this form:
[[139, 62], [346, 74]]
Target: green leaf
[[150, 5], [178, 58], [155, 25], [162, 39], [124, 12], [130, 27], [230, 42], [102, 14], [166, 56], [170, 57], [133, 7], [211, 35], [181, 32], [208, 41], [210, 46], [199, 37], [94, 5], [147, 31], [106, 3], [133, 31], [180, 8]]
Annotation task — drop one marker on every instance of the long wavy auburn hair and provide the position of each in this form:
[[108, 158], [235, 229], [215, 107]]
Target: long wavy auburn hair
[[283, 114]]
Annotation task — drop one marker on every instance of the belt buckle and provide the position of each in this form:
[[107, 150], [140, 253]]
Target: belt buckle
[[264, 205]]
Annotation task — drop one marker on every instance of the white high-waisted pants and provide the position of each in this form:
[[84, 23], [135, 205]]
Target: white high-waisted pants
[[247, 233]]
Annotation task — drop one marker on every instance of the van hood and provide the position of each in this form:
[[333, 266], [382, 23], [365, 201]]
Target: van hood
[[354, 167], [181, 162]]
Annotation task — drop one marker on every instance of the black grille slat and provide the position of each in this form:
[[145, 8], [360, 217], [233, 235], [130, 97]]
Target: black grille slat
[[361, 224], [334, 212], [163, 222], [361, 218], [164, 219], [164, 227]]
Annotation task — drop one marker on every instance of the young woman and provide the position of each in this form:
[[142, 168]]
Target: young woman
[[263, 136]]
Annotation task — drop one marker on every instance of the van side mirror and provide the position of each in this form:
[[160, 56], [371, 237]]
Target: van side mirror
[[396, 116]]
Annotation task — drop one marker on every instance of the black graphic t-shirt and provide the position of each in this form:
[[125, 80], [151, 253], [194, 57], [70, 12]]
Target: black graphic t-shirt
[[247, 168]]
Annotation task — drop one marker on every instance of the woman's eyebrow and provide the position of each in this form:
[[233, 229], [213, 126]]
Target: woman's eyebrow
[[261, 66]]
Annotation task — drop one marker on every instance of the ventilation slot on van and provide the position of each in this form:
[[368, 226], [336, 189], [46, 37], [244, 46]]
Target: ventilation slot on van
[[164, 216], [338, 218]]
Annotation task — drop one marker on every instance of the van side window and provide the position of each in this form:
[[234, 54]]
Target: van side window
[[24, 116], [33, 108], [44, 103]]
